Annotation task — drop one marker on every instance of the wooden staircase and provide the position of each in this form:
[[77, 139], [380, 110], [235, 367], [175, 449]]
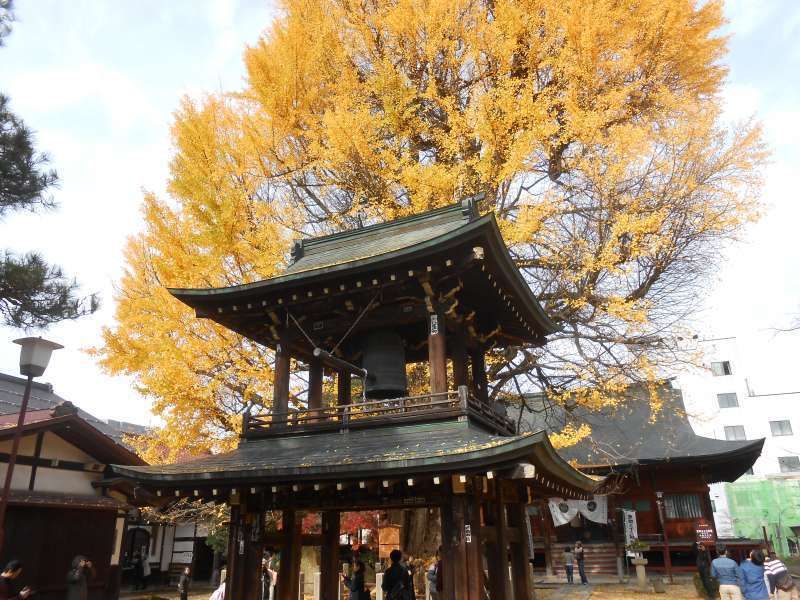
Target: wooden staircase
[[601, 559]]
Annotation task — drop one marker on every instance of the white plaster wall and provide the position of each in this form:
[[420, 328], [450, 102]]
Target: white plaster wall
[[22, 473], [57, 447], [50, 479], [183, 530], [169, 535], [66, 482]]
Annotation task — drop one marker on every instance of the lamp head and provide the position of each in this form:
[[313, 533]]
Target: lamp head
[[34, 355]]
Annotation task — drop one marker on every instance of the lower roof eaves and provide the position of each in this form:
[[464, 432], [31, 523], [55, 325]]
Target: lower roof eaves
[[431, 448]]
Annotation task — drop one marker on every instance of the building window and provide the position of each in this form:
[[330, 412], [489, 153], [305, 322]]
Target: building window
[[682, 506], [789, 464], [735, 432], [780, 427], [728, 400], [719, 369], [642, 506], [713, 506]]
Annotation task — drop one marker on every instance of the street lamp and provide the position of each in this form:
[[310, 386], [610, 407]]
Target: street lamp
[[34, 355]]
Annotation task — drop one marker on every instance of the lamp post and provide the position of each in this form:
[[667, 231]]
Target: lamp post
[[34, 355], [667, 557]]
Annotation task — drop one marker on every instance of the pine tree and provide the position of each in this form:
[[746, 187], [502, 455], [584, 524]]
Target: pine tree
[[32, 293]]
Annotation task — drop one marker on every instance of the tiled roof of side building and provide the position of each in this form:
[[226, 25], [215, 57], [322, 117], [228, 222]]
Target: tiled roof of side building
[[630, 433], [43, 398]]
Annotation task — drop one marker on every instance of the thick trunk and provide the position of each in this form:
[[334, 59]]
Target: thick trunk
[[420, 536]]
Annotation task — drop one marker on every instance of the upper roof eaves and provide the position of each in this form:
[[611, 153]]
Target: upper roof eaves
[[375, 240]]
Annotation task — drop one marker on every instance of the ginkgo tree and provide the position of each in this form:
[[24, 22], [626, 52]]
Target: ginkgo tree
[[593, 129]]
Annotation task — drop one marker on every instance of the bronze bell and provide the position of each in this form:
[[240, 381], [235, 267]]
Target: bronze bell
[[384, 359]]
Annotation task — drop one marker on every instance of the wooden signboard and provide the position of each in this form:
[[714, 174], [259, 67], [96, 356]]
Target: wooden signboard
[[704, 531]]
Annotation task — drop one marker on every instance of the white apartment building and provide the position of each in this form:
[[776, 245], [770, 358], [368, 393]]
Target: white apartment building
[[721, 404]]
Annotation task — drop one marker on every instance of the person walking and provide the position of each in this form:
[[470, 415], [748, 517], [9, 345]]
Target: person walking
[[725, 570], [580, 558], [145, 570], [781, 584], [78, 578], [569, 564], [355, 582], [138, 571], [430, 575], [7, 586], [396, 579], [753, 584], [703, 562], [184, 583]]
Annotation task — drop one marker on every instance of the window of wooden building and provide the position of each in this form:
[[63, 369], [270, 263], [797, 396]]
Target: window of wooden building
[[683, 506]]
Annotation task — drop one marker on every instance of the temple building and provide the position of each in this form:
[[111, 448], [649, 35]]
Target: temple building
[[655, 469], [57, 508], [359, 307]]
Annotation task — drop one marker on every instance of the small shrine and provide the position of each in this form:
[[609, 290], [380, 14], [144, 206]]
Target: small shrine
[[358, 307]]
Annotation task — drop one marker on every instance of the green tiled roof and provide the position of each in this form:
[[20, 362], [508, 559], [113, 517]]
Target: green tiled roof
[[439, 446], [374, 240]]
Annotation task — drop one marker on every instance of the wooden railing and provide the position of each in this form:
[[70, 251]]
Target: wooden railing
[[425, 407]]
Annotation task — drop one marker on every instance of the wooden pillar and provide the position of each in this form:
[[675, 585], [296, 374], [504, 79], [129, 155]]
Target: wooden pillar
[[232, 581], [475, 576], [343, 388], [547, 531], [479, 382], [315, 383], [458, 351], [521, 569], [449, 545], [437, 353], [280, 387], [289, 570], [497, 550], [329, 563], [245, 550]]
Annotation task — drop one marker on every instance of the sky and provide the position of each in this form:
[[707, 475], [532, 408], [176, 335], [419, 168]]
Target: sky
[[99, 81]]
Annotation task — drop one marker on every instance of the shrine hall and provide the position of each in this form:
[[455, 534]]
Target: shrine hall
[[358, 307]]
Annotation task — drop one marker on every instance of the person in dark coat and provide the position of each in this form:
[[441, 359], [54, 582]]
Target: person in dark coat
[[7, 586], [704, 568], [396, 579], [138, 572], [184, 582], [355, 582], [580, 558], [78, 578]]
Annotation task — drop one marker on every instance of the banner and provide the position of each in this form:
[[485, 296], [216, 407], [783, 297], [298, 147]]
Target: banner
[[629, 526], [564, 511], [595, 509]]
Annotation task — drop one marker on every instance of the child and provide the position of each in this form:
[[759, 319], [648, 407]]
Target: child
[[569, 561]]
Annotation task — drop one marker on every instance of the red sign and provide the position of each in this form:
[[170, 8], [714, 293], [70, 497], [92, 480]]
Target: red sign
[[704, 531]]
